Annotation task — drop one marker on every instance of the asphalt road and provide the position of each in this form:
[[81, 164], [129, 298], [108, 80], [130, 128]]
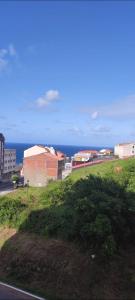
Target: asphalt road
[[8, 186], [10, 293]]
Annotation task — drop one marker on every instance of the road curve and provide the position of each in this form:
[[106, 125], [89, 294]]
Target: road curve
[[7, 292]]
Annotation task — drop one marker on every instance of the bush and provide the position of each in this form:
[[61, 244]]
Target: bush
[[96, 212], [10, 211], [15, 178]]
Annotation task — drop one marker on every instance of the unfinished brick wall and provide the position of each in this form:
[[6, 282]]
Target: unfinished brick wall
[[38, 169]]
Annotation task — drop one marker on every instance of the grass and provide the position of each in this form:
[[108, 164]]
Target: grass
[[39, 192], [41, 198], [52, 266], [101, 169]]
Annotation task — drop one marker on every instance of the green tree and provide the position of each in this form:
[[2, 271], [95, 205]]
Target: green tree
[[15, 180]]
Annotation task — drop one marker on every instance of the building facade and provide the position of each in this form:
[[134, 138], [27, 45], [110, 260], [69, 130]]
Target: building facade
[[105, 152], [84, 156], [9, 161], [42, 164], [2, 143], [125, 150]]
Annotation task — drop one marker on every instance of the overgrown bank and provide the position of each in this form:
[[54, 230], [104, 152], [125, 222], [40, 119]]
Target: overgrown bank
[[94, 213]]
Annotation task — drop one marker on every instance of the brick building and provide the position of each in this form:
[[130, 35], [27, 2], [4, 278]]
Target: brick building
[[42, 164]]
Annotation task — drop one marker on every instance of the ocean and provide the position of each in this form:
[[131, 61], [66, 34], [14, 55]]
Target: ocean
[[68, 150]]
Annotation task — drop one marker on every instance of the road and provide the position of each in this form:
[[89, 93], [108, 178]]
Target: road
[[7, 187], [8, 292]]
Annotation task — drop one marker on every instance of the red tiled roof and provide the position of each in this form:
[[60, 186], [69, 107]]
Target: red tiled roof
[[88, 151]]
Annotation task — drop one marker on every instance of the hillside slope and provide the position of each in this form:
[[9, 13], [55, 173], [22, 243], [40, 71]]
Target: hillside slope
[[49, 235]]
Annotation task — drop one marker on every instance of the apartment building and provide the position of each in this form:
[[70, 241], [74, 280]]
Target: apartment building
[[9, 161], [2, 142], [125, 150], [41, 164]]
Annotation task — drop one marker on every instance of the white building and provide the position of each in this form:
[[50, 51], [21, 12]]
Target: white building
[[125, 150], [9, 160]]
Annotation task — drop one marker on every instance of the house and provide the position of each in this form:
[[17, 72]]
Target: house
[[84, 156], [92, 153], [105, 152], [42, 164], [125, 150]]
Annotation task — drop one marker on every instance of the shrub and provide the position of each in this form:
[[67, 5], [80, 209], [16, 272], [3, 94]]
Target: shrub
[[10, 211]]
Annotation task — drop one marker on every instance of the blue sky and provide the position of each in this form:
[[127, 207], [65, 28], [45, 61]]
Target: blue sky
[[67, 72]]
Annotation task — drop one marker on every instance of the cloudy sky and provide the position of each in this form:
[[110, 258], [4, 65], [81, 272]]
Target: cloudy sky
[[67, 72]]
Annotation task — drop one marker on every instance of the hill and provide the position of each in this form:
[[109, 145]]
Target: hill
[[75, 238]]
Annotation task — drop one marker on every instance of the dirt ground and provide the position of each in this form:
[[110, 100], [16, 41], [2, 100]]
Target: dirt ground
[[59, 270]]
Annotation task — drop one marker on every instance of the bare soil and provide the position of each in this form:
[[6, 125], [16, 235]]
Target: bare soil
[[59, 270]]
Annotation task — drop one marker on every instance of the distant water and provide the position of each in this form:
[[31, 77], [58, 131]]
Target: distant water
[[68, 150]]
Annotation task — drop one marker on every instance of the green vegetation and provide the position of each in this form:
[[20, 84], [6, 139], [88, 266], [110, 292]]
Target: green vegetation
[[96, 210], [53, 232], [15, 180]]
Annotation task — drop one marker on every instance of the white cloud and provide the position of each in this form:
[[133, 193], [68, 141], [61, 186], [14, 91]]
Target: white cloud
[[3, 60], [94, 115], [6, 55], [49, 97], [3, 64], [122, 108], [76, 131], [3, 52], [101, 129], [12, 50]]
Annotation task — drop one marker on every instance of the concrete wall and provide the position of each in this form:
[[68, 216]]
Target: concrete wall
[[125, 150]]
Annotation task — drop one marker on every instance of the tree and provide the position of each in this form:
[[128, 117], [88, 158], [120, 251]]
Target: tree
[[15, 180]]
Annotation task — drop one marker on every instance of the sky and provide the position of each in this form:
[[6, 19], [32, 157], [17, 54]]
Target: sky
[[67, 72]]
